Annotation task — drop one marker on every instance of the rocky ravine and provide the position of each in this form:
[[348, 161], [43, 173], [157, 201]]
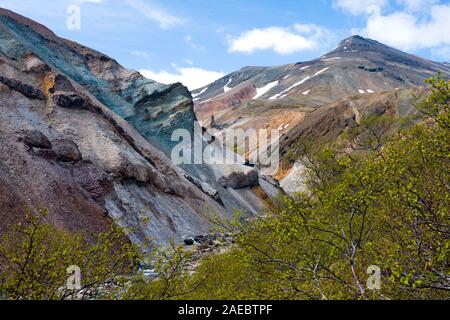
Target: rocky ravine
[[89, 140]]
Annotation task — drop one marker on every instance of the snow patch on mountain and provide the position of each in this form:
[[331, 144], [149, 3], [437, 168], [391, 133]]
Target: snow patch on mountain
[[321, 71], [283, 93], [290, 88], [262, 91], [195, 95], [333, 58], [226, 88]]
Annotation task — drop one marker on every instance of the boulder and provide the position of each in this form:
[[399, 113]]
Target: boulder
[[205, 187], [25, 89], [240, 179], [92, 179], [34, 139], [271, 180], [201, 239], [70, 100], [62, 83], [189, 241], [210, 191], [66, 150]]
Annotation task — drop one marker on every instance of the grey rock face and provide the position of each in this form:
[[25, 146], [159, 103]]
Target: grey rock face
[[295, 182], [205, 187], [77, 155], [111, 136]]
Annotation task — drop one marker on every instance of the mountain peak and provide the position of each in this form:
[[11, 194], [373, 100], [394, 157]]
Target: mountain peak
[[357, 41], [357, 45], [356, 37]]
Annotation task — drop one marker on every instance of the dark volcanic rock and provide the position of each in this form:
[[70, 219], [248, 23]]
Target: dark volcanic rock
[[25, 89], [61, 83], [239, 180], [201, 239], [189, 241], [72, 100], [66, 150]]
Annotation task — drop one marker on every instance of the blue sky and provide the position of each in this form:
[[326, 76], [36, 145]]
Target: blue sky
[[197, 41]]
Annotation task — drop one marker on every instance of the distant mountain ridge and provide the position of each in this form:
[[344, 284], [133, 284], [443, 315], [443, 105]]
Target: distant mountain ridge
[[357, 66], [367, 55]]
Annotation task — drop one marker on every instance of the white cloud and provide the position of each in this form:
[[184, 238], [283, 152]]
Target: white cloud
[[92, 1], [192, 44], [416, 5], [357, 7], [191, 77], [188, 61], [299, 37], [164, 19], [406, 31], [443, 53], [141, 54]]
